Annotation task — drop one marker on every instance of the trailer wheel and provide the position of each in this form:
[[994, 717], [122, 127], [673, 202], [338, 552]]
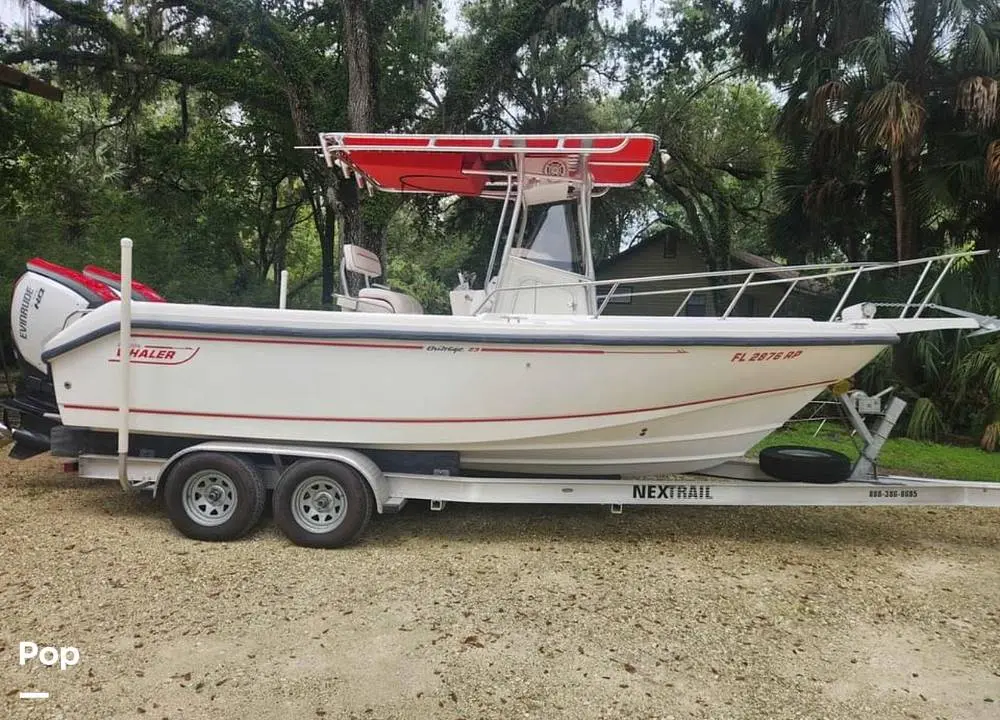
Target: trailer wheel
[[800, 463], [322, 504], [214, 496]]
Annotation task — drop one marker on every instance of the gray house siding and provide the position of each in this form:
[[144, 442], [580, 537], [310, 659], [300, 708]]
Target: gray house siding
[[655, 258]]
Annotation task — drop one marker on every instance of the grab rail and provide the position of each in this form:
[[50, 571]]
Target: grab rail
[[793, 276]]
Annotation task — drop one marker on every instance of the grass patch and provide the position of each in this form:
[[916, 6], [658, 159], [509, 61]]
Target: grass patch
[[899, 455]]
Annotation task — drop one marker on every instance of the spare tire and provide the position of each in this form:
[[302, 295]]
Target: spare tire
[[801, 463]]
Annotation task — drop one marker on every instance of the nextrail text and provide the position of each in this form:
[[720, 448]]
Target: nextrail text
[[672, 492]]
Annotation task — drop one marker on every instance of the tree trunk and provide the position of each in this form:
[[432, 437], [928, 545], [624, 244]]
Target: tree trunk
[[360, 113], [853, 246], [326, 243], [899, 206], [183, 101]]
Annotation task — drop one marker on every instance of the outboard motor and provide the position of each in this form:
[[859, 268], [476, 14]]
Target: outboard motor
[[46, 299]]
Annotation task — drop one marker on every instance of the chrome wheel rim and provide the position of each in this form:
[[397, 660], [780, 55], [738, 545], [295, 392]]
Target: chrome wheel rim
[[319, 504], [210, 498]]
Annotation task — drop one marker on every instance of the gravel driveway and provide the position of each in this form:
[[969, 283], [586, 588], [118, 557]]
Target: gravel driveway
[[500, 612]]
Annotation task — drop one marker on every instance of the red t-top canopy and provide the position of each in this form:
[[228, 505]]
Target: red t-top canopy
[[480, 165]]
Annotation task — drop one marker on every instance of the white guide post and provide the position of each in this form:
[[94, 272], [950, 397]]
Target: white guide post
[[283, 290], [125, 348]]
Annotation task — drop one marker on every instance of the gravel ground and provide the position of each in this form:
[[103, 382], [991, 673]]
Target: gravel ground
[[500, 612]]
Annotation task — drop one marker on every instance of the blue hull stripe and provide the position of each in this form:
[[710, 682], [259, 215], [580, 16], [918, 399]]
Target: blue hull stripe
[[509, 338]]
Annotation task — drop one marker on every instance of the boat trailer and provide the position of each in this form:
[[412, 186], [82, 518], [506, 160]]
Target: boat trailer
[[337, 505]]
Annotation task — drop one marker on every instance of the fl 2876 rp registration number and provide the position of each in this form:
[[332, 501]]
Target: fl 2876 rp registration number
[[765, 356]]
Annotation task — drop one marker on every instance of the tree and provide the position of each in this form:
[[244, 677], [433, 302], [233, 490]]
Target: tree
[[878, 88], [713, 188], [298, 65]]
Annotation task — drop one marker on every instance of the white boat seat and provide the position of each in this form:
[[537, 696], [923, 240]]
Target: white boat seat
[[394, 302], [378, 299]]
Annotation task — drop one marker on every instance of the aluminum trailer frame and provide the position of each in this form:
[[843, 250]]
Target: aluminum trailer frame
[[393, 490]]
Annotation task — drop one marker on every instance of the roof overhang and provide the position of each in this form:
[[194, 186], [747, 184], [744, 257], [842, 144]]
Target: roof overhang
[[13, 78]]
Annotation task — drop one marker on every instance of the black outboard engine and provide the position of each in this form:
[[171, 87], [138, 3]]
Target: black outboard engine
[[47, 298]]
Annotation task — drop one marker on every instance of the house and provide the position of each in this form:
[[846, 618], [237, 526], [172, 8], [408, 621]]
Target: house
[[665, 254]]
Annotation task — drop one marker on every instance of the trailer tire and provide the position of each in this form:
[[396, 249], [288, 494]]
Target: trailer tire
[[214, 496], [801, 463], [322, 504]]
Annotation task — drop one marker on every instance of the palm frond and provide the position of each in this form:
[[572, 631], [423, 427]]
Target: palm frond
[[981, 48], [926, 421], [825, 102], [929, 354], [990, 439], [874, 53], [993, 164], [892, 118], [981, 368], [977, 98]]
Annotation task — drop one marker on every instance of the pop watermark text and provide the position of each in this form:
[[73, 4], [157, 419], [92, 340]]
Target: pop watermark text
[[47, 655]]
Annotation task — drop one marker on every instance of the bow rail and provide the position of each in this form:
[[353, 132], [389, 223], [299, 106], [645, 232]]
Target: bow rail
[[793, 275]]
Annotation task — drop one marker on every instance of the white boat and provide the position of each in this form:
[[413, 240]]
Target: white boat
[[527, 375]]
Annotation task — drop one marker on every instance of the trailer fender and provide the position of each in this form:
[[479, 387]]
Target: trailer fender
[[286, 454]]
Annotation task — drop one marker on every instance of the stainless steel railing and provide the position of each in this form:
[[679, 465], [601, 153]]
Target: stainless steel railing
[[793, 275]]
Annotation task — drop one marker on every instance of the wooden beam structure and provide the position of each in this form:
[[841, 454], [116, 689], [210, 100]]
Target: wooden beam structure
[[13, 78]]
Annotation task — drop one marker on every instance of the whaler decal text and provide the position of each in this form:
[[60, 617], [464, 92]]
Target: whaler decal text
[[157, 354]]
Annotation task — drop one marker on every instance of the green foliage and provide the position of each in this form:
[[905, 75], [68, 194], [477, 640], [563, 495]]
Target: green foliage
[[195, 149], [951, 381], [194, 208], [890, 120], [424, 257]]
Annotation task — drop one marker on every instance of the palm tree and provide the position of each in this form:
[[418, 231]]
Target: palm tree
[[887, 86]]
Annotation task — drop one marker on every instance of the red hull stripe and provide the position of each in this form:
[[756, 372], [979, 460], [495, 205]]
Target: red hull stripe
[[401, 345], [432, 421], [557, 351]]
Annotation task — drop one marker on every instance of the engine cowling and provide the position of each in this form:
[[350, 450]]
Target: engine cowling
[[45, 299]]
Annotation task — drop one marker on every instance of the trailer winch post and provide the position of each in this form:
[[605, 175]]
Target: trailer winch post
[[864, 468], [125, 355]]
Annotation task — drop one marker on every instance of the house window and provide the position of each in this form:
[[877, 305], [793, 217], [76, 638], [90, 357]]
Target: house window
[[696, 305], [622, 295]]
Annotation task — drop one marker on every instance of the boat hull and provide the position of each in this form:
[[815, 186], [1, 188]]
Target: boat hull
[[559, 396]]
